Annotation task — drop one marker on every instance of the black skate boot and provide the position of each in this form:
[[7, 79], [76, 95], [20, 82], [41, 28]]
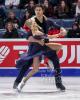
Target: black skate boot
[[15, 85], [59, 84]]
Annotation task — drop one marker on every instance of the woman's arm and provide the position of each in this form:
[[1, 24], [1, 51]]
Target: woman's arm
[[63, 32], [32, 39], [53, 36]]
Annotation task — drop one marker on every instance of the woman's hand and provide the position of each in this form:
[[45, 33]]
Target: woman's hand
[[41, 42], [63, 32]]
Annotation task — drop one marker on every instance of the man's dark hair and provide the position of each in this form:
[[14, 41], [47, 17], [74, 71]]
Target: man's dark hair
[[39, 5]]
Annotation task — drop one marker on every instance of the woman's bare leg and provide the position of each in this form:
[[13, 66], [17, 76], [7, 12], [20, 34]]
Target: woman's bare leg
[[54, 46], [36, 64]]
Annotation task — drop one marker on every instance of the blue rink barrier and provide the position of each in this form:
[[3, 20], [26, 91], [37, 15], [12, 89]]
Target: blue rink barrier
[[42, 72]]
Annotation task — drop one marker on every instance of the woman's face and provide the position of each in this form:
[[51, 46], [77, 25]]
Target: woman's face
[[39, 11], [27, 14], [9, 26], [34, 25], [78, 3], [31, 3], [62, 4], [46, 3], [11, 15]]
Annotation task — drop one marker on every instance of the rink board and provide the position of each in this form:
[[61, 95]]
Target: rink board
[[69, 56], [41, 73]]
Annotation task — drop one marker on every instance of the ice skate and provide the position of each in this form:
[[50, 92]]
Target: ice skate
[[20, 86], [59, 84], [15, 85]]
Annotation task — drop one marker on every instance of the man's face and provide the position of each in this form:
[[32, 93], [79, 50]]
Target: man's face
[[39, 11]]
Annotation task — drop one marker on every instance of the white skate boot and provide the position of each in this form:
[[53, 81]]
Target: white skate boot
[[20, 86]]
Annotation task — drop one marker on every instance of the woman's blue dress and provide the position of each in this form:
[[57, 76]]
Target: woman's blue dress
[[35, 49]]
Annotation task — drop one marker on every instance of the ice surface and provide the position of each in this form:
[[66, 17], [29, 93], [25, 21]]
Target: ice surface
[[40, 89]]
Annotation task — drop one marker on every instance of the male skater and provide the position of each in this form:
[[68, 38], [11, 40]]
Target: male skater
[[45, 24]]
